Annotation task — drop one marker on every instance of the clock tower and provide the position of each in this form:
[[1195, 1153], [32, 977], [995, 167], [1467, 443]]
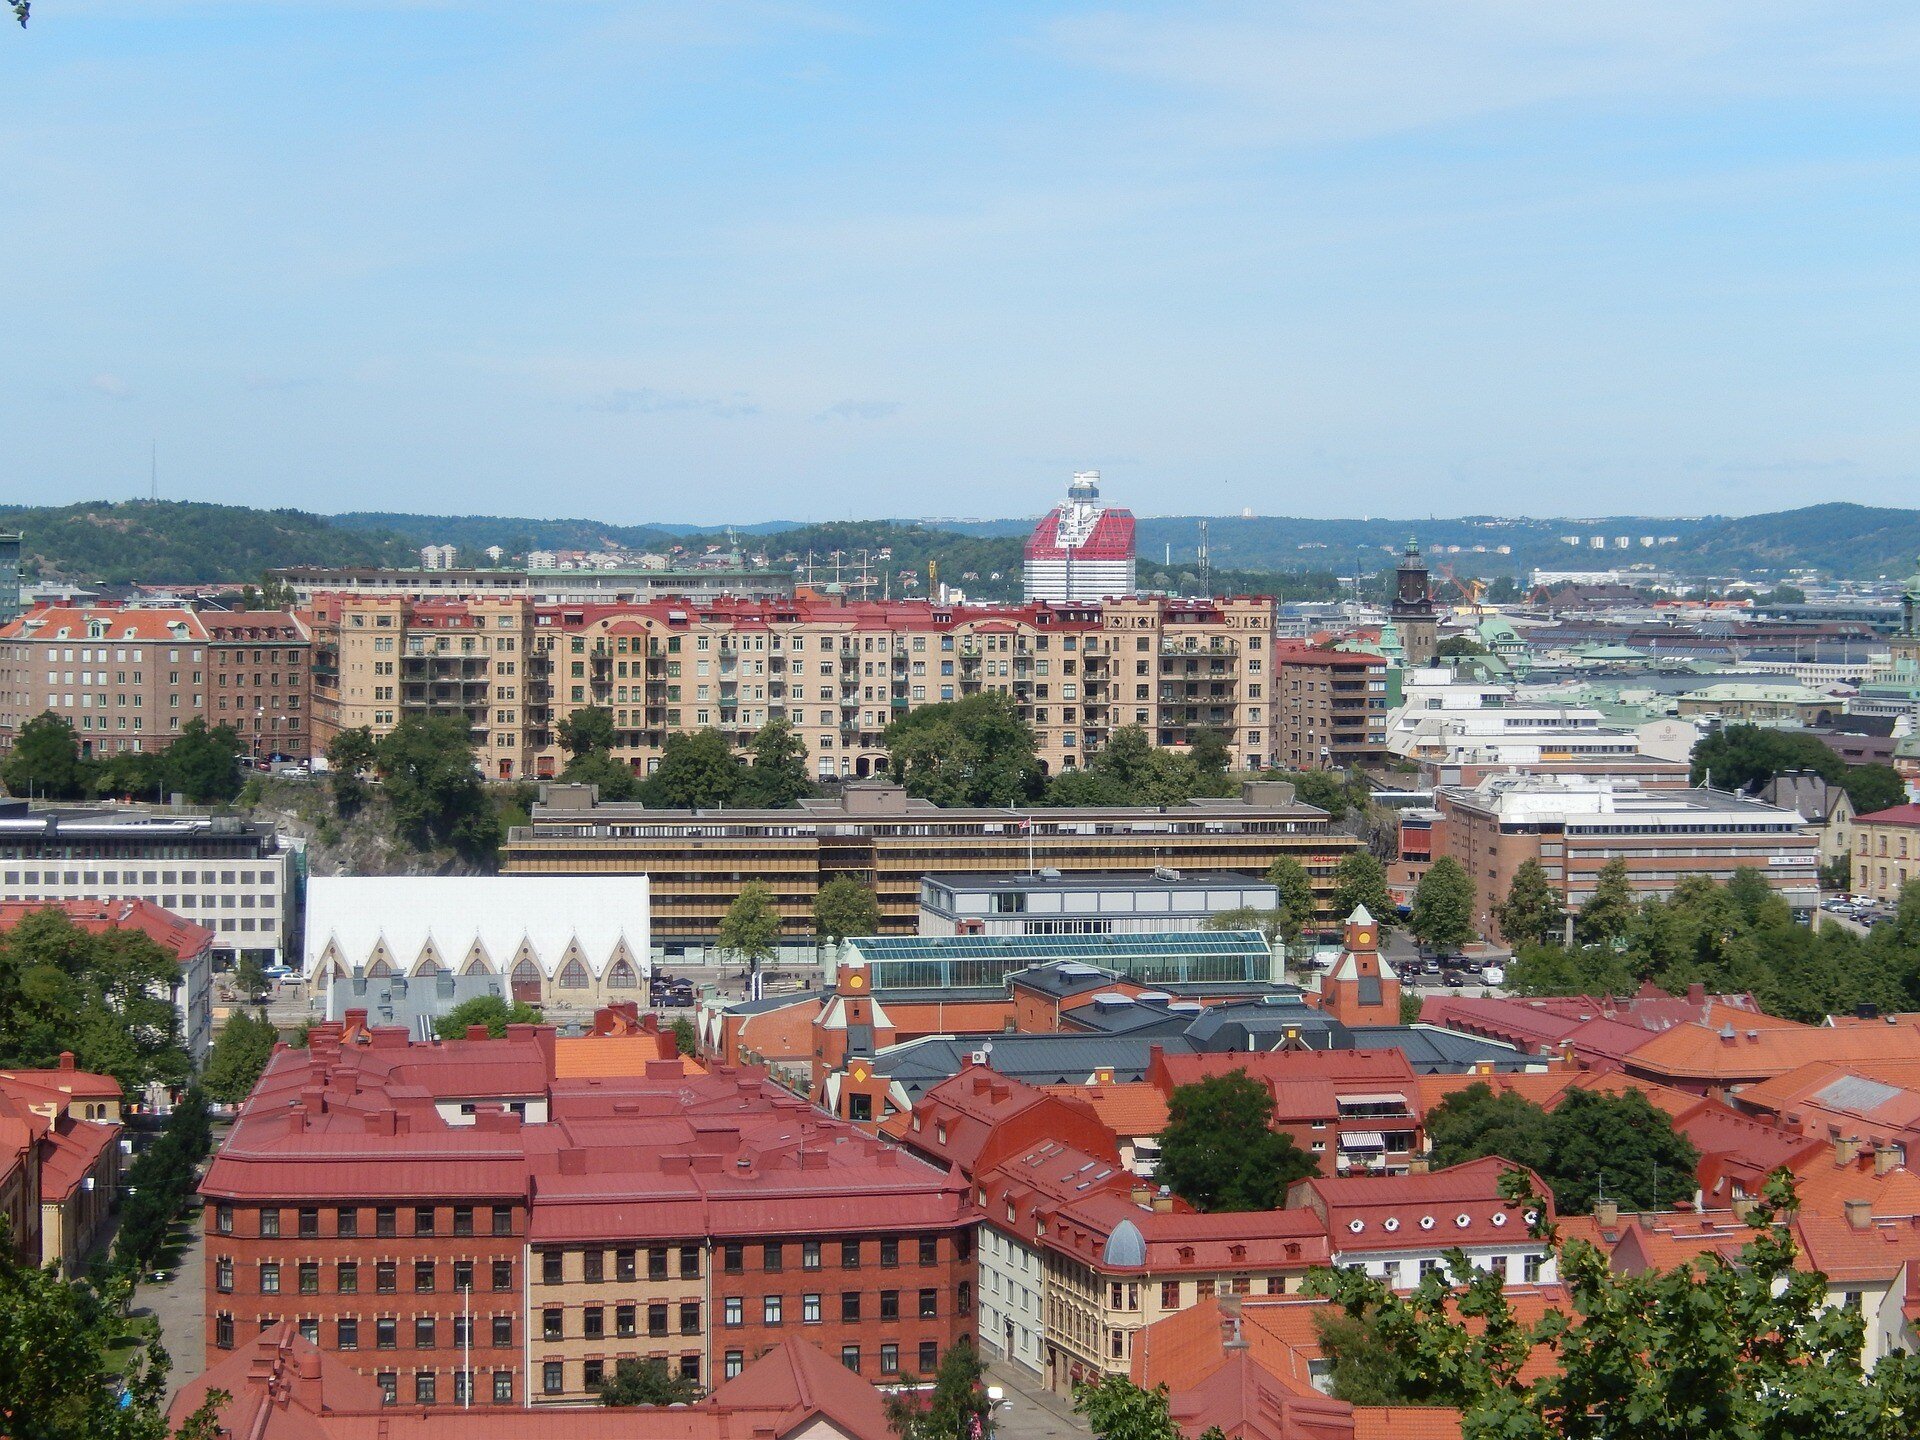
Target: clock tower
[[1362, 988], [1412, 608]]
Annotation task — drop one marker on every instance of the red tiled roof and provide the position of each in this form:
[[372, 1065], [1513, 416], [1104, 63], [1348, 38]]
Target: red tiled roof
[[48, 622], [1698, 1053], [1129, 1108], [1893, 815], [69, 1153], [169, 931]]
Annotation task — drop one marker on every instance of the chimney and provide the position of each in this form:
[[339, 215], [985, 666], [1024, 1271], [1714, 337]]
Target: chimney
[[1606, 1214], [1884, 1159], [1697, 993], [1859, 1213], [477, 1032], [1846, 1149], [66, 1059], [1141, 1195], [1231, 1338], [573, 1161]]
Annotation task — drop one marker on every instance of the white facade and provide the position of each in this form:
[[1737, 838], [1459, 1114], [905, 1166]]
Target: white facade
[[1012, 1312], [1081, 904], [573, 940], [193, 998]]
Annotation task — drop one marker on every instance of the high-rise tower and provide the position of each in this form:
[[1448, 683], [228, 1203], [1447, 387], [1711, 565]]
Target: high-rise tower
[[1082, 550]]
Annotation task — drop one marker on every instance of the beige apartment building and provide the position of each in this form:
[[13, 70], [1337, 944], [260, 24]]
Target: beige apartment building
[[839, 672]]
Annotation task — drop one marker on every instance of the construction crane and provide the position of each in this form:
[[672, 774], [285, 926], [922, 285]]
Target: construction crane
[[1471, 590]]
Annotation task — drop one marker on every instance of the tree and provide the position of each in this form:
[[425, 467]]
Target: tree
[[1459, 645], [1323, 789], [1715, 1349], [776, 769], [614, 780], [1360, 879], [493, 1011], [750, 930], [250, 977], [957, 1407], [698, 771], [1743, 757], [426, 762], [158, 1185], [684, 1036], [239, 1056], [975, 751], [1296, 900], [1271, 924], [1117, 1409], [45, 761], [1591, 1141], [588, 730], [1443, 905], [845, 907], [204, 764], [350, 754], [1610, 910], [1219, 1150], [648, 1382], [1208, 750], [1873, 787], [1128, 770], [1531, 913]]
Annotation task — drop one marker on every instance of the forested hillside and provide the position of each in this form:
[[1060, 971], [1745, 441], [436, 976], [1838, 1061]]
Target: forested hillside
[[173, 541]]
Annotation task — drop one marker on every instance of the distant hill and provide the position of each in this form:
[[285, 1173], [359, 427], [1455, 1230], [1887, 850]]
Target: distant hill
[[473, 534], [173, 541], [1855, 540]]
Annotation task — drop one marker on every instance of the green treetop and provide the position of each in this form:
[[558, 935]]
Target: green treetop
[[1219, 1150]]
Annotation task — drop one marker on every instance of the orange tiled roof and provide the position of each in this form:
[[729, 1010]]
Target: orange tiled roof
[[1699, 1053], [584, 1057], [1128, 1109], [1405, 1422]]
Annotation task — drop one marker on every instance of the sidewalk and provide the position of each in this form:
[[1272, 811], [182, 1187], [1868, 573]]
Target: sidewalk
[[1033, 1412]]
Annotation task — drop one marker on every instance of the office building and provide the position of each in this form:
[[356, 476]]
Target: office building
[[1081, 550], [1573, 827], [226, 874], [9, 575], [698, 860], [1051, 902]]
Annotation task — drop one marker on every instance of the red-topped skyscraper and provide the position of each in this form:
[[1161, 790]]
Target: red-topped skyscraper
[[1082, 550]]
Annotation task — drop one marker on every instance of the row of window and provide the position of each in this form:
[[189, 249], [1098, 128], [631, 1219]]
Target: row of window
[[386, 1220], [346, 1276], [626, 1319]]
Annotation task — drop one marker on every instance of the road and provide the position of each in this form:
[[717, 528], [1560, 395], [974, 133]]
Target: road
[[1031, 1411], [179, 1302]]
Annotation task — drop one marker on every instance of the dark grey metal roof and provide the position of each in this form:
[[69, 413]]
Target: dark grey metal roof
[[1433, 1051]]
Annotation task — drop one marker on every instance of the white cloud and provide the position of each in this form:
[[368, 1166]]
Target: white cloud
[[114, 387]]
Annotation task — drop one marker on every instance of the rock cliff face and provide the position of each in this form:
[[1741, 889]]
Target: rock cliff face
[[361, 844]]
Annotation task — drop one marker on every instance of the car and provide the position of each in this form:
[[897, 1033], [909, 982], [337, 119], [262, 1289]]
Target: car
[[277, 972], [1430, 967], [1494, 975], [1455, 981]]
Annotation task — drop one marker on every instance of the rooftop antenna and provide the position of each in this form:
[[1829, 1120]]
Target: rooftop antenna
[[1206, 564]]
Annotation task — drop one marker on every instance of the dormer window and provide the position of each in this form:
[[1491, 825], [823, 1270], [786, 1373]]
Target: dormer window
[[96, 629]]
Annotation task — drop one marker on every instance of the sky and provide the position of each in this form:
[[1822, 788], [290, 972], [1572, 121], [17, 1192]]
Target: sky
[[708, 261]]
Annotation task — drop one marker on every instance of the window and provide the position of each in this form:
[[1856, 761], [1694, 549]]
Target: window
[[463, 1219], [551, 1267], [309, 1277], [503, 1331], [1533, 1267], [770, 1310], [735, 1258], [383, 1221], [810, 1255], [929, 1304], [223, 1219], [386, 1333], [593, 1266], [889, 1304], [346, 1222], [503, 1222], [425, 1385], [850, 1357], [223, 1330], [849, 1254], [270, 1277], [503, 1387], [689, 1317], [423, 1277], [890, 1359], [223, 1274], [623, 1321], [553, 1378], [809, 1309], [270, 1222], [889, 1253], [347, 1333], [386, 1277], [689, 1262], [735, 1362], [593, 1322], [423, 1332], [929, 1249], [656, 1264], [732, 1312], [462, 1275], [423, 1219], [775, 1257], [552, 1323], [624, 1265], [1169, 1294], [593, 1373], [309, 1223], [503, 1274], [656, 1319]]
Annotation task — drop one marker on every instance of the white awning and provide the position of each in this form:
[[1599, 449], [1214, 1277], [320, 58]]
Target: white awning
[[1383, 1098], [1363, 1140]]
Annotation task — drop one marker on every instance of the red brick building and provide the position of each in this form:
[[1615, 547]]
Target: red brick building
[[1329, 707], [408, 1204]]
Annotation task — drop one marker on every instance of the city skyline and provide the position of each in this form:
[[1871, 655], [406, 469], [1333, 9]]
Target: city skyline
[[710, 263]]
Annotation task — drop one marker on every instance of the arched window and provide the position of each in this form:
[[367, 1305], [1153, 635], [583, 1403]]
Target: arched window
[[379, 969], [620, 975], [525, 972], [573, 976]]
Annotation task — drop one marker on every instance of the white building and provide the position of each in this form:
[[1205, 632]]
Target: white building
[[1083, 903], [570, 940], [438, 557], [1081, 550]]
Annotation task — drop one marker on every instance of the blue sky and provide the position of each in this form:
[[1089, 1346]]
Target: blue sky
[[712, 261]]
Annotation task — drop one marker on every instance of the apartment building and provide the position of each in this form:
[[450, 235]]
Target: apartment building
[[697, 860], [380, 657], [127, 680], [225, 874], [1573, 827], [257, 669], [1886, 852], [1329, 707], [839, 672], [460, 1218]]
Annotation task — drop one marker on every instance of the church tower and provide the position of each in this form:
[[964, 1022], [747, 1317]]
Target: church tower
[[1362, 988], [1412, 608]]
